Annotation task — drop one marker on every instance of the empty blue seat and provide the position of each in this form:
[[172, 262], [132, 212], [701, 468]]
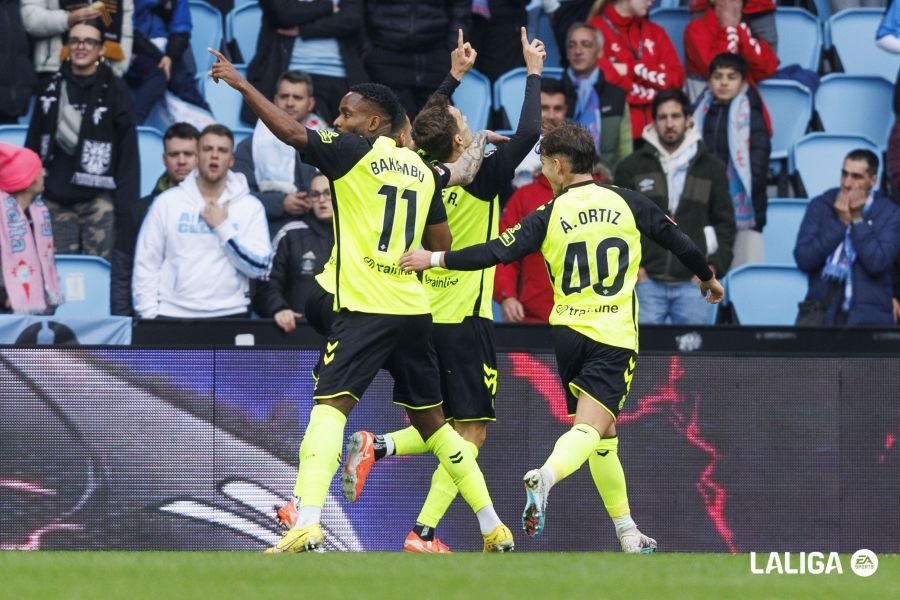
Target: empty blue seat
[[783, 218], [473, 99], [790, 106], [13, 134], [673, 20], [242, 24], [857, 105], [150, 150], [206, 32], [852, 33], [85, 283], [818, 158], [765, 294], [799, 38], [225, 101], [509, 91]]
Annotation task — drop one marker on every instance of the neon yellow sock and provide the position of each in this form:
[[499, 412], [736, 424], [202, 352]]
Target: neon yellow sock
[[456, 457], [440, 495], [609, 477], [571, 451], [320, 454], [408, 441]]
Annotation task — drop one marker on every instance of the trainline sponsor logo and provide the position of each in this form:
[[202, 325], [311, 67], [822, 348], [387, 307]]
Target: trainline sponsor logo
[[863, 563]]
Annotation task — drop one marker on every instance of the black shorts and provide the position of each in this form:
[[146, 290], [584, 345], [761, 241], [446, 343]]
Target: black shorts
[[319, 309], [600, 371], [359, 344], [468, 363]]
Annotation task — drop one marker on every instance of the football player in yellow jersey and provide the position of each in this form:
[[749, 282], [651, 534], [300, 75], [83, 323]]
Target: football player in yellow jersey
[[460, 302], [590, 236], [386, 201]]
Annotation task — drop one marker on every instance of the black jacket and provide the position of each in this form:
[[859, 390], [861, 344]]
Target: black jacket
[[301, 250], [17, 76], [316, 20]]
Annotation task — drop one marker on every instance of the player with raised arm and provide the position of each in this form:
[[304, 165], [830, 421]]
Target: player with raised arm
[[590, 236], [460, 302], [386, 201]]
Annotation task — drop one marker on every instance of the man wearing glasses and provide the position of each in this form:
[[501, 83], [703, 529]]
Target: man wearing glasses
[[84, 132], [301, 249]]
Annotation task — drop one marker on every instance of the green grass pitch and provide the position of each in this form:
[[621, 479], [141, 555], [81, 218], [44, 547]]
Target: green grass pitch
[[394, 576]]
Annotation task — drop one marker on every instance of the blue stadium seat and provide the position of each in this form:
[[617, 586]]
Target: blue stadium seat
[[242, 24], [85, 283], [799, 38], [545, 34], [206, 32], [224, 101], [13, 134], [150, 151], [852, 33], [673, 20], [871, 98], [783, 218], [473, 98], [790, 106], [509, 90], [818, 158], [241, 134], [765, 294]]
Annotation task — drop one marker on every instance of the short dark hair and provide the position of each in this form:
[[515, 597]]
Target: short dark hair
[[296, 76], [383, 98], [867, 155], [727, 60], [96, 23], [552, 86], [670, 96], [184, 131], [218, 129], [398, 125], [573, 143], [434, 128]]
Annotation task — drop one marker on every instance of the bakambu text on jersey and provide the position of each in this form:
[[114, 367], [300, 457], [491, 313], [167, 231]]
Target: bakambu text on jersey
[[391, 164]]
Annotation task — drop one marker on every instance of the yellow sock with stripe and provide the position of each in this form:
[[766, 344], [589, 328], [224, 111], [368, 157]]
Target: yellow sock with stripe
[[606, 470], [441, 494], [320, 454], [572, 449], [408, 441], [455, 456]]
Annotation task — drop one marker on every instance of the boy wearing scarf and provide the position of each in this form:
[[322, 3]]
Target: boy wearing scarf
[[847, 243], [84, 132]]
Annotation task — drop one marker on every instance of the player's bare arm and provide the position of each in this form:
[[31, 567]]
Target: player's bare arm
[[437, 237], [279, 122]]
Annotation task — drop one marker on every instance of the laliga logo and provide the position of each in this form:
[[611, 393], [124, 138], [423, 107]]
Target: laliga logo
[[863, 562]]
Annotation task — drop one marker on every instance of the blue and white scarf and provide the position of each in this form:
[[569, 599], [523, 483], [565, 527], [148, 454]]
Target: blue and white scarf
[[587, 108], [839, 264]]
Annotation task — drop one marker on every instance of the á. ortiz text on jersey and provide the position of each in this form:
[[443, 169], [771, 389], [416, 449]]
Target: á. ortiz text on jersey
[[593, 215], [391, 164]]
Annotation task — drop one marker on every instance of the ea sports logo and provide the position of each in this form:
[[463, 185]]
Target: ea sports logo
[[864, 563]]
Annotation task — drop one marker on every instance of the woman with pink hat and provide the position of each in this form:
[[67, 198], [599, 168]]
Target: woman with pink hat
[[30, 284]]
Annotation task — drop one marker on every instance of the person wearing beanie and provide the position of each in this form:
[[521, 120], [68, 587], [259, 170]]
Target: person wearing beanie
[[30, 284]]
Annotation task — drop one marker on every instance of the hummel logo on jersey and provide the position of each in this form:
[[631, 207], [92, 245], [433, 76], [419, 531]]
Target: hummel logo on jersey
[[456, 458], [329, 351], [490, 379]]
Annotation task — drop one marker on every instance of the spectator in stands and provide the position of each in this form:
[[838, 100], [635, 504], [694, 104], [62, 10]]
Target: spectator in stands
[[48, 22], [408, 44], [320, 37], [638, 56], [495, 32], [554, 107], [301, 249], [83, 129], [758, 14], [162, 33], [30, 284], [847, 243], [202, 241], [179, 158], [274, 171], [675, 170], [17, 77], [729, 116], [594, 103], [719, 30], [888, 39]]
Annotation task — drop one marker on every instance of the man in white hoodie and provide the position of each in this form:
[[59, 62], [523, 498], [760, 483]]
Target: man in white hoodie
[[202, 241], [677, 172]]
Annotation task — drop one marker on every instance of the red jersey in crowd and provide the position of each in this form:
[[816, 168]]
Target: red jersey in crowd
[[751, 7], [704, 39]]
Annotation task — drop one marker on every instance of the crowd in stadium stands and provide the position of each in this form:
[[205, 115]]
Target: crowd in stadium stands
[[694, 134]]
